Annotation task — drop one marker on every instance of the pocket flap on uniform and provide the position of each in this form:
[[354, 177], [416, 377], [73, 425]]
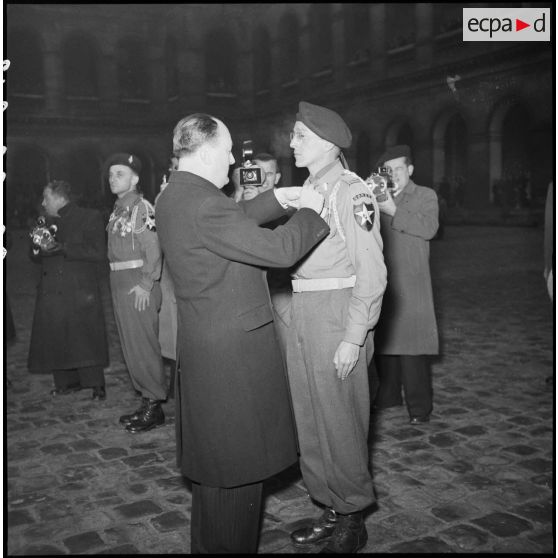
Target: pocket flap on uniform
[[256, 317]]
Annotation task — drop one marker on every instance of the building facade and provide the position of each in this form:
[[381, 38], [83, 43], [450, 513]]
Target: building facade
[[87, 80]]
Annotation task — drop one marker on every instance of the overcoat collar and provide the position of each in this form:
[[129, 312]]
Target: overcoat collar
[[186, 177], [63, 211]]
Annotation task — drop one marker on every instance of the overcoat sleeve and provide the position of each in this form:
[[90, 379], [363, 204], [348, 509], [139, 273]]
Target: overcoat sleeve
[[224, 229], [417, 214]]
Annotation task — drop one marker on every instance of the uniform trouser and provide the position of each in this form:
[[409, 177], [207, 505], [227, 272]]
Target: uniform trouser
[[225, 520], [413, 373], [139, 334], [332, 415], [86, 377]]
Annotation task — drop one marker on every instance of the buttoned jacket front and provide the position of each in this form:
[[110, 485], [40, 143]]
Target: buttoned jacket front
[[234, 421], [407, 324]]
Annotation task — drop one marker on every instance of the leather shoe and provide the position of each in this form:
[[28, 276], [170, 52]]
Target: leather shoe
[[127, 419], [321, 529], [151, 417], [419, 420], [349, 537], [64, 391], [99, 393]]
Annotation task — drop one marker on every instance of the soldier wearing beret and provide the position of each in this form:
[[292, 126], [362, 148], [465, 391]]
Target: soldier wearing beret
[[327, 328], [407, 330], [135, 262]]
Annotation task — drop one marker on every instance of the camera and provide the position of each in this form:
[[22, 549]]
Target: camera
[[250, 174], [380, 182]]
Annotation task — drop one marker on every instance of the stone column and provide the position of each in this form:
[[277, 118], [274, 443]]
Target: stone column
[[54, 75]]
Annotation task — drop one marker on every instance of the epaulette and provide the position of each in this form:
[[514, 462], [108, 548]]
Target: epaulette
[[147, 217]]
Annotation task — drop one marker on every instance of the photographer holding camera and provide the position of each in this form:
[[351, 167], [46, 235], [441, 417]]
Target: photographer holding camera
[[406, 331], [270, 176]]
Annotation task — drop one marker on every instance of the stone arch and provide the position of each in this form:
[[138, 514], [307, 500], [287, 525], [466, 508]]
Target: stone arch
[[400, 131], [449, 145], [498, 142]]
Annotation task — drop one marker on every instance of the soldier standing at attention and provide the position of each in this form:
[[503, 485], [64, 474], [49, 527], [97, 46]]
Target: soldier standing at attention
[[337, 297], [135, 262]]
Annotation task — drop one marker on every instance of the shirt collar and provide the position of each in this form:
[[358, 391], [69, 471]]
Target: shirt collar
[[325, 170]]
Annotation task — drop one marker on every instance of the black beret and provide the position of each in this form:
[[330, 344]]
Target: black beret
[[324, 122], [394, 152], [126, 159]]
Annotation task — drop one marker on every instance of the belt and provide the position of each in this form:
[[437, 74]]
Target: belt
[[326, 284], [130, 264]]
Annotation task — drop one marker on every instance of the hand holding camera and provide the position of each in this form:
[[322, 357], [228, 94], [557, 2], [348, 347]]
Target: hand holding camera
[[383, 187], [43, 238], [250, 174]]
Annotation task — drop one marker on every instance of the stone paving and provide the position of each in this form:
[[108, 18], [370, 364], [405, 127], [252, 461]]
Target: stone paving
[[477, 479]]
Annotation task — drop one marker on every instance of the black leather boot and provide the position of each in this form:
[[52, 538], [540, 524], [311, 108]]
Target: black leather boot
[[151, 417], [321, 529], [349, 537], [127, 419]]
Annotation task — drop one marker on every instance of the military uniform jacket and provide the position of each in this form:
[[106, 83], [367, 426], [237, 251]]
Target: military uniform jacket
[[69, 325], [233, 416], [407, 324], [132, 236], [353, 247]]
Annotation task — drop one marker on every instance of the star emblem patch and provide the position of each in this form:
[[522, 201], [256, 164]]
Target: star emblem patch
[[364, 215]]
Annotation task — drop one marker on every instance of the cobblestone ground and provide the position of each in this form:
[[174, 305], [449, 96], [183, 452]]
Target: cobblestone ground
[[477, 478]]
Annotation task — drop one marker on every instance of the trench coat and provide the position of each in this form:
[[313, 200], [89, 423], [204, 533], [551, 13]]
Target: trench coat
[[69, 324], [234, 422], [407, 324]]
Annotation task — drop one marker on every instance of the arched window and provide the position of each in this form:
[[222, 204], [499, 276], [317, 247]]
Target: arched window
[[321, 39], [221, 62], [400, 25], [80, 59], [357, 33], [171, 67], [25, 75], [133, 74], [406, 136], [290, 48], [262, 59]]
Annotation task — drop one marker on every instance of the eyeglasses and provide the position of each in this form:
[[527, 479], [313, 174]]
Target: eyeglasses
[[298, 136]]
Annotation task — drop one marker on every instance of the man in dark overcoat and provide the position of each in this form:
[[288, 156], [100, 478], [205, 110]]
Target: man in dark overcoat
[[407, 332], [68, 337], [234, 425]]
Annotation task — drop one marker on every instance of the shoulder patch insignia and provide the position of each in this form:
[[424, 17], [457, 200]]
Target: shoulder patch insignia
[[364, 215]]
